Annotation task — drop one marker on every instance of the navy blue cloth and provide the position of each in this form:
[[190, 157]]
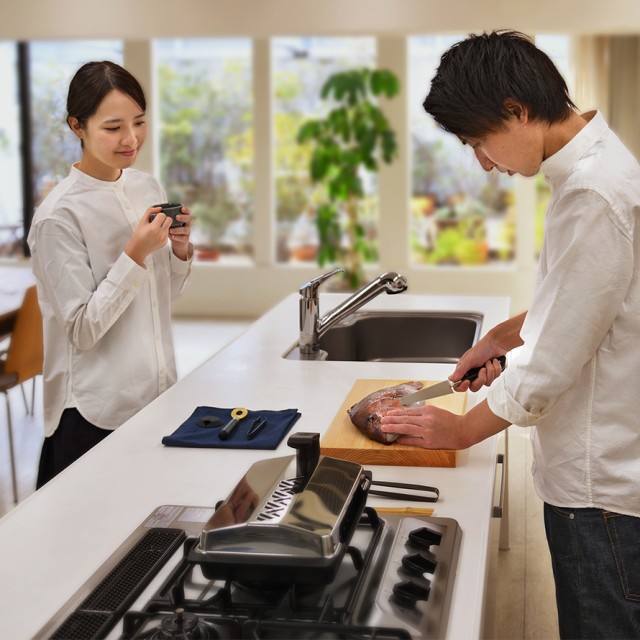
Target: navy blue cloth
[[189, 434]]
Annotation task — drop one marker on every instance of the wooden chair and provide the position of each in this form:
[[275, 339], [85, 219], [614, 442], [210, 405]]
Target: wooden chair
[[22, 361]]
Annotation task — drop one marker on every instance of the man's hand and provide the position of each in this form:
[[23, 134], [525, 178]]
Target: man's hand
[[430, 427]]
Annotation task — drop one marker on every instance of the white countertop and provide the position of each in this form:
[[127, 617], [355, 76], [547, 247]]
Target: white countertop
[[54, 540]]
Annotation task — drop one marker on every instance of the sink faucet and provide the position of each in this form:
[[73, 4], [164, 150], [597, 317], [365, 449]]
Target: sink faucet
[[312, 326]]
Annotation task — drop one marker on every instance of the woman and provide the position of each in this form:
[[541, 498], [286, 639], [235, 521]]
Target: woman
[[106, 273]]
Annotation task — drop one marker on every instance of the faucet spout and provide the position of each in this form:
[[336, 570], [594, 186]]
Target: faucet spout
[[312, 326]]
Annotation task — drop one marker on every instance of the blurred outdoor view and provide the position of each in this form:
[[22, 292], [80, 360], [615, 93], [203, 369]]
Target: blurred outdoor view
[[206, 140], [459, 214], [301, 66], [54, 149]]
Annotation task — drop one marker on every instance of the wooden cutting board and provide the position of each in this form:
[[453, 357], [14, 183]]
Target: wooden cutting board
[[343, 440]]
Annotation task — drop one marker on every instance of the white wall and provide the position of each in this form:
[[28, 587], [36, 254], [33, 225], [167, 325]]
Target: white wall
[[140, 19]]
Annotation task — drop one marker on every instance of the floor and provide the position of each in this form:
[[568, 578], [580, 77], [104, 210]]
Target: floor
[[525, 601]]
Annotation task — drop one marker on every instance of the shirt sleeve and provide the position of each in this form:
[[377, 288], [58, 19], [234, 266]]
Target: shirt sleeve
[[584, 279], [180, 272], [84, 310]]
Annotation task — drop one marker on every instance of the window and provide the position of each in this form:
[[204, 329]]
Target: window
[[206, 140], [300, 68], [11, 225], [460, 214], [52, 65]]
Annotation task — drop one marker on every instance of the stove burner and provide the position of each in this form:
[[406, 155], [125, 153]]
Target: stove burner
[[185, 626], [394, 582], [272, 592]]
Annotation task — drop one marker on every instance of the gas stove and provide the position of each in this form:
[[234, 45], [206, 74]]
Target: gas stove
[[181, 574]]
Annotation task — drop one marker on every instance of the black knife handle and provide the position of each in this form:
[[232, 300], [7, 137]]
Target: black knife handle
[[472, 374]]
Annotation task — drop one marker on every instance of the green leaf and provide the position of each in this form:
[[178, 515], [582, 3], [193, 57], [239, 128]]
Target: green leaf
[[319, 165], [308, 131]]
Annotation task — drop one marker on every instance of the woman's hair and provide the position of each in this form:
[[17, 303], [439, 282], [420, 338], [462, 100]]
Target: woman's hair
[[92, 82], [481, 77]]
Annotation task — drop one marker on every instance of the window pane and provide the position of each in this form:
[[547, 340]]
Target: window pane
[[52, 66], [460, 214], [11, 228], [300, 68], [557, 47], [206, 140]]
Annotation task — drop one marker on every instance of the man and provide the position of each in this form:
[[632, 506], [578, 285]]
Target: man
[[574, 377]]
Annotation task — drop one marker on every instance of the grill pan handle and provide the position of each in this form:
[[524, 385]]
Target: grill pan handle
[[405, 496]]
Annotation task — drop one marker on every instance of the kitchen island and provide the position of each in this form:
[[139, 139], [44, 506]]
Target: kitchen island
[[54, 541]]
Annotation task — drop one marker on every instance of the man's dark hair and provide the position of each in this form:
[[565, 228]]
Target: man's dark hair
[[481, 77]]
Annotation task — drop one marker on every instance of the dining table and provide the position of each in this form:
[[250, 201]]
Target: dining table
[[14, 281]]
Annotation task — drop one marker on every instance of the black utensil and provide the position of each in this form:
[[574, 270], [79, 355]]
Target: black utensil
[[209, 421], [256, 426], [405, 496]]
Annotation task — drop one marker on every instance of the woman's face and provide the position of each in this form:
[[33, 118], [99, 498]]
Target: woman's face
[[112, 137]]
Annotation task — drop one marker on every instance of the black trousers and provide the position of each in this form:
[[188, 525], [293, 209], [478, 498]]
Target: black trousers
[[72, 439]]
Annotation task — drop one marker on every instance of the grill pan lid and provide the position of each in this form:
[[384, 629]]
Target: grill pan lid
[[299, 509]]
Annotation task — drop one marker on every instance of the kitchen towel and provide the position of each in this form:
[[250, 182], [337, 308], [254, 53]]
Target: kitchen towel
[[189, 434]]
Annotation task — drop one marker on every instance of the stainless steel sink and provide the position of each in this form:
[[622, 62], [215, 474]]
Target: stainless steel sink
[[398, 336]]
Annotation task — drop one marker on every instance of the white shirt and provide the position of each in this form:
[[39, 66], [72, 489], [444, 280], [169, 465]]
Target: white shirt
[[576, 377], [108, 346]]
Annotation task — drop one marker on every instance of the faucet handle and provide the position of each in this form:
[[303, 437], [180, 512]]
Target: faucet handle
[[310, 289]]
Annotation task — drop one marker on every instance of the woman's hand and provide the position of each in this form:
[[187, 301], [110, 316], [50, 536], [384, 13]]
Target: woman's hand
[[179, 236], [148, 236]]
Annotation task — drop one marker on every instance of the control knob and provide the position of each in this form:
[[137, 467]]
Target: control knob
[[424, 537], [424, 562], [408, 592]]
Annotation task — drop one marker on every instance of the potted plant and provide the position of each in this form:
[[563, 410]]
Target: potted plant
[[352, 138]]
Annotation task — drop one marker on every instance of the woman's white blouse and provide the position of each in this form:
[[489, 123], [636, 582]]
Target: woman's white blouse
[[107, 320]]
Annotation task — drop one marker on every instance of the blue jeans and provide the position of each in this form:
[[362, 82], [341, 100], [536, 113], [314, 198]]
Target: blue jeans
[[595, 557]]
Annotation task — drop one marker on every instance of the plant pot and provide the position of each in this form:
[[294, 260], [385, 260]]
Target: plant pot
[[206, 254]]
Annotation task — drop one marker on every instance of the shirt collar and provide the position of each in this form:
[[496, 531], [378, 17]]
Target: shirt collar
[[557, 165], [85, 178]]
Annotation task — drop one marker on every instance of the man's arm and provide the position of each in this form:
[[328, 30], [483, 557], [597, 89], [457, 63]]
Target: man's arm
[[430, 427]]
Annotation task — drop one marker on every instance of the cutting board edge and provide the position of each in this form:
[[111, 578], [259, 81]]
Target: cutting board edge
[[415, 457]]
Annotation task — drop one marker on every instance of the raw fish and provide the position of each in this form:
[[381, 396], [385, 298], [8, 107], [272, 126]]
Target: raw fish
[[366, 414]]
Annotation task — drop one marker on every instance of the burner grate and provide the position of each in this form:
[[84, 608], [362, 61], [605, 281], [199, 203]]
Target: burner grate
[[290, 630], [106, 604]]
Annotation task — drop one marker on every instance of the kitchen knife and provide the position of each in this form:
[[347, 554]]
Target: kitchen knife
[[444, 387]]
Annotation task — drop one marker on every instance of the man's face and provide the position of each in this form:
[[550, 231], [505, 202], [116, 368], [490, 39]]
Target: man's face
[[517, 148]]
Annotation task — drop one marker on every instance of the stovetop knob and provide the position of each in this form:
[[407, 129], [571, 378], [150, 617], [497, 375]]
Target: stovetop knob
[[408, 592], [424, 537], [420, 562]]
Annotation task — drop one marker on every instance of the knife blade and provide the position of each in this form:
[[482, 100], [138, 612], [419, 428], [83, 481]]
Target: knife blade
[[445, 387]]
